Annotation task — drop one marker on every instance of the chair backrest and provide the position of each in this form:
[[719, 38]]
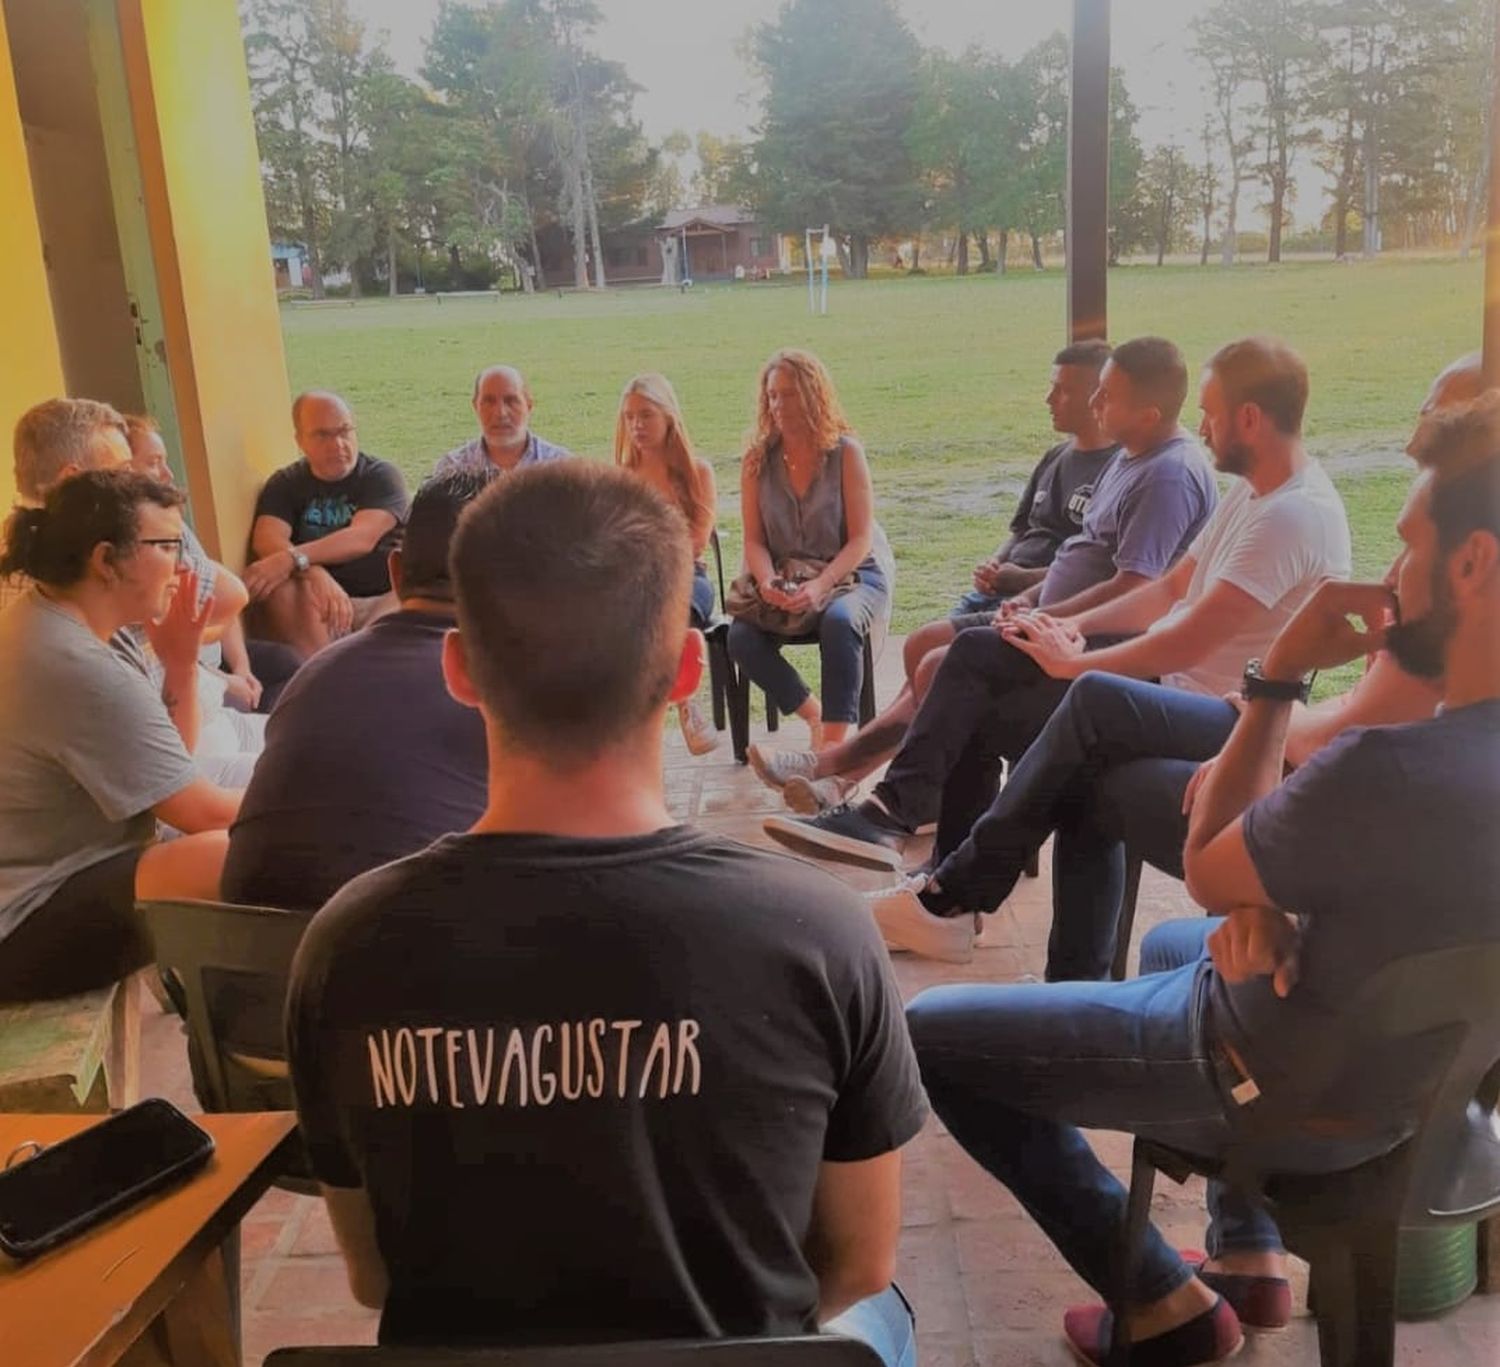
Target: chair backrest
[[1441, 1011], [819, 1350], [1452, 997], [207, 945], [713, 540]]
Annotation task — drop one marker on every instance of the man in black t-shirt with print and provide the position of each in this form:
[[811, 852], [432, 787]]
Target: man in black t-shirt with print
[[583, 1073], [323, 530], [1056, 495]]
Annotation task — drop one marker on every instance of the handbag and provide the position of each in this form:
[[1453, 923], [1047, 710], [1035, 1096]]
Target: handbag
[[744, 603]]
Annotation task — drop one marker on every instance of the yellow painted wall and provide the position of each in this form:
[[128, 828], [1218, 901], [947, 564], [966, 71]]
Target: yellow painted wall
[[190, 98], [30, 365]]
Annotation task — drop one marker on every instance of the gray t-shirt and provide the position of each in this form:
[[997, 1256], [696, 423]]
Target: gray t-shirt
[[1144, 513], [86, 748], [1384, 846]]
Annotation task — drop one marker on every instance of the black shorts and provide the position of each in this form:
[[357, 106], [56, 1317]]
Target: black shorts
[[86, 935]]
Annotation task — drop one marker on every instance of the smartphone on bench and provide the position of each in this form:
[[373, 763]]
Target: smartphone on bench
[[81, 1181]]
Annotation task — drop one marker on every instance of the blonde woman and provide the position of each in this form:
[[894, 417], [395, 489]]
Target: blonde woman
[[652, 441], [806, 494]]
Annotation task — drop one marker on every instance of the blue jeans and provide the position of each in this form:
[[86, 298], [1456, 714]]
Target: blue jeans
[[1015, 1070], [1104, 721], [701, 605], [885, 1322], [842, 629], [972, 601]]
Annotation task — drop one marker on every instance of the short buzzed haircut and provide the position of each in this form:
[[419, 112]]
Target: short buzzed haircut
[[1156, 371], [572, 582], [427, 538], [55, 434], [1091, 354], [1264, 371]]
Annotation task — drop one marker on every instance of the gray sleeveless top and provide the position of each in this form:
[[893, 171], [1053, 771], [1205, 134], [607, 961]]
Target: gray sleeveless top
[[813, 527]]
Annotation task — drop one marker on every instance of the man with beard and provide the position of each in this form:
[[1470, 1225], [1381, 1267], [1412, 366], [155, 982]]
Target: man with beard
[[1274, 537], [1116, 769], [1380, 848]]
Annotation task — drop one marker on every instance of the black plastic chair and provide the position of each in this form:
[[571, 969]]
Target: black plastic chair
[[739, 695], [1445, 1004], [721, 675], [233, 964], [817, 1350]]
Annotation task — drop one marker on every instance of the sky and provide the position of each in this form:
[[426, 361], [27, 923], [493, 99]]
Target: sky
[[683, 55]]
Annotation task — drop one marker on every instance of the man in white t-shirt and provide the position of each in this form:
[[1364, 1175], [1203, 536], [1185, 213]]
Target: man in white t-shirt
[[1278, 534]]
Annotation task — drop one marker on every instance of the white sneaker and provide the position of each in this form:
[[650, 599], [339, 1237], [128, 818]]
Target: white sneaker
[[775, 767], [699, 735], [906, 924], [813, 795]]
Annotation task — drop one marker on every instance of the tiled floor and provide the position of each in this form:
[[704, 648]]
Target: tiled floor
[[988, 1288]]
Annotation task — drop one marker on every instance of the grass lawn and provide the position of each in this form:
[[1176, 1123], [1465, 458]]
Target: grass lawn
[[942, 377]]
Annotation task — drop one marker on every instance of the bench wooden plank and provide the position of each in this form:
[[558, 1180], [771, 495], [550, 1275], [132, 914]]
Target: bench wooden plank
[[78, 1053]]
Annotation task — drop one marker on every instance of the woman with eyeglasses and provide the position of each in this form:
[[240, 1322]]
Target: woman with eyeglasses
[[92, 753]]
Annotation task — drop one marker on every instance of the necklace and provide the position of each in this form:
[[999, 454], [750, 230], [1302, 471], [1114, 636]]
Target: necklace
[[800, 471]]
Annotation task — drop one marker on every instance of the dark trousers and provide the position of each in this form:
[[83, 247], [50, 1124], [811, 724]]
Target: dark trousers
[[1104, 724], [273, 664], [987, 703]]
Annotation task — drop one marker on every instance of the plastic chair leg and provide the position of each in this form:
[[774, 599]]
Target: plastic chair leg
[[720, 671], [1374, 1252], [1132, 1236], [739, 714], [1125, 925], [1333, 1282]]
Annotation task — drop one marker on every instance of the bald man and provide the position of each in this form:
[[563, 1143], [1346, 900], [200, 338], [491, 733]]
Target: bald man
[[502, 403], [324, 527]]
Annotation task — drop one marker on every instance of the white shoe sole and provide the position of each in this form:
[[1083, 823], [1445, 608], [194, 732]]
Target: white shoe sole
[[902, 929], [758, 764], [828, 844]]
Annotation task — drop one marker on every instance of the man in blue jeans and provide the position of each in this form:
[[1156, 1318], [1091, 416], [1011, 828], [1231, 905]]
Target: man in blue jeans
[[1273, 538], [1116, 768], [1380, 847]]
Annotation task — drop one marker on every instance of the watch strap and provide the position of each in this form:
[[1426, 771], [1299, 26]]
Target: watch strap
[[1256, 685]]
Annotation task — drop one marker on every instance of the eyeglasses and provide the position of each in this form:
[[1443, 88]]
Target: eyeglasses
[[331, 433], [175, 542]]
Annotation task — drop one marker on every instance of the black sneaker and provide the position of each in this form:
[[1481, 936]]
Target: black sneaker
[[866, 834]]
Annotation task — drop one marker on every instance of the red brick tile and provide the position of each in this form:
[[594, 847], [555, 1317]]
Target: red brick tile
[[280, 1204], [1011, 1348], [1022, 1299], [259, 1238], [315, 1238], [936, 1349], [308, 1287], [265, 1331], [927, 1270]]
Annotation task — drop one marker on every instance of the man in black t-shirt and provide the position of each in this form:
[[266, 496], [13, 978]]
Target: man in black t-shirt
[[583, 1073], [367, 757], [1052, 504], [323, 529]]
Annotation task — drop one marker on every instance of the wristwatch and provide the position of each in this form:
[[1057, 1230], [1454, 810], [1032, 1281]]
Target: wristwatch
[[300, 562], [1256, 685]]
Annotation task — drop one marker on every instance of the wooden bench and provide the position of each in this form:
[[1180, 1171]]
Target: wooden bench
[[78, 1053]]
